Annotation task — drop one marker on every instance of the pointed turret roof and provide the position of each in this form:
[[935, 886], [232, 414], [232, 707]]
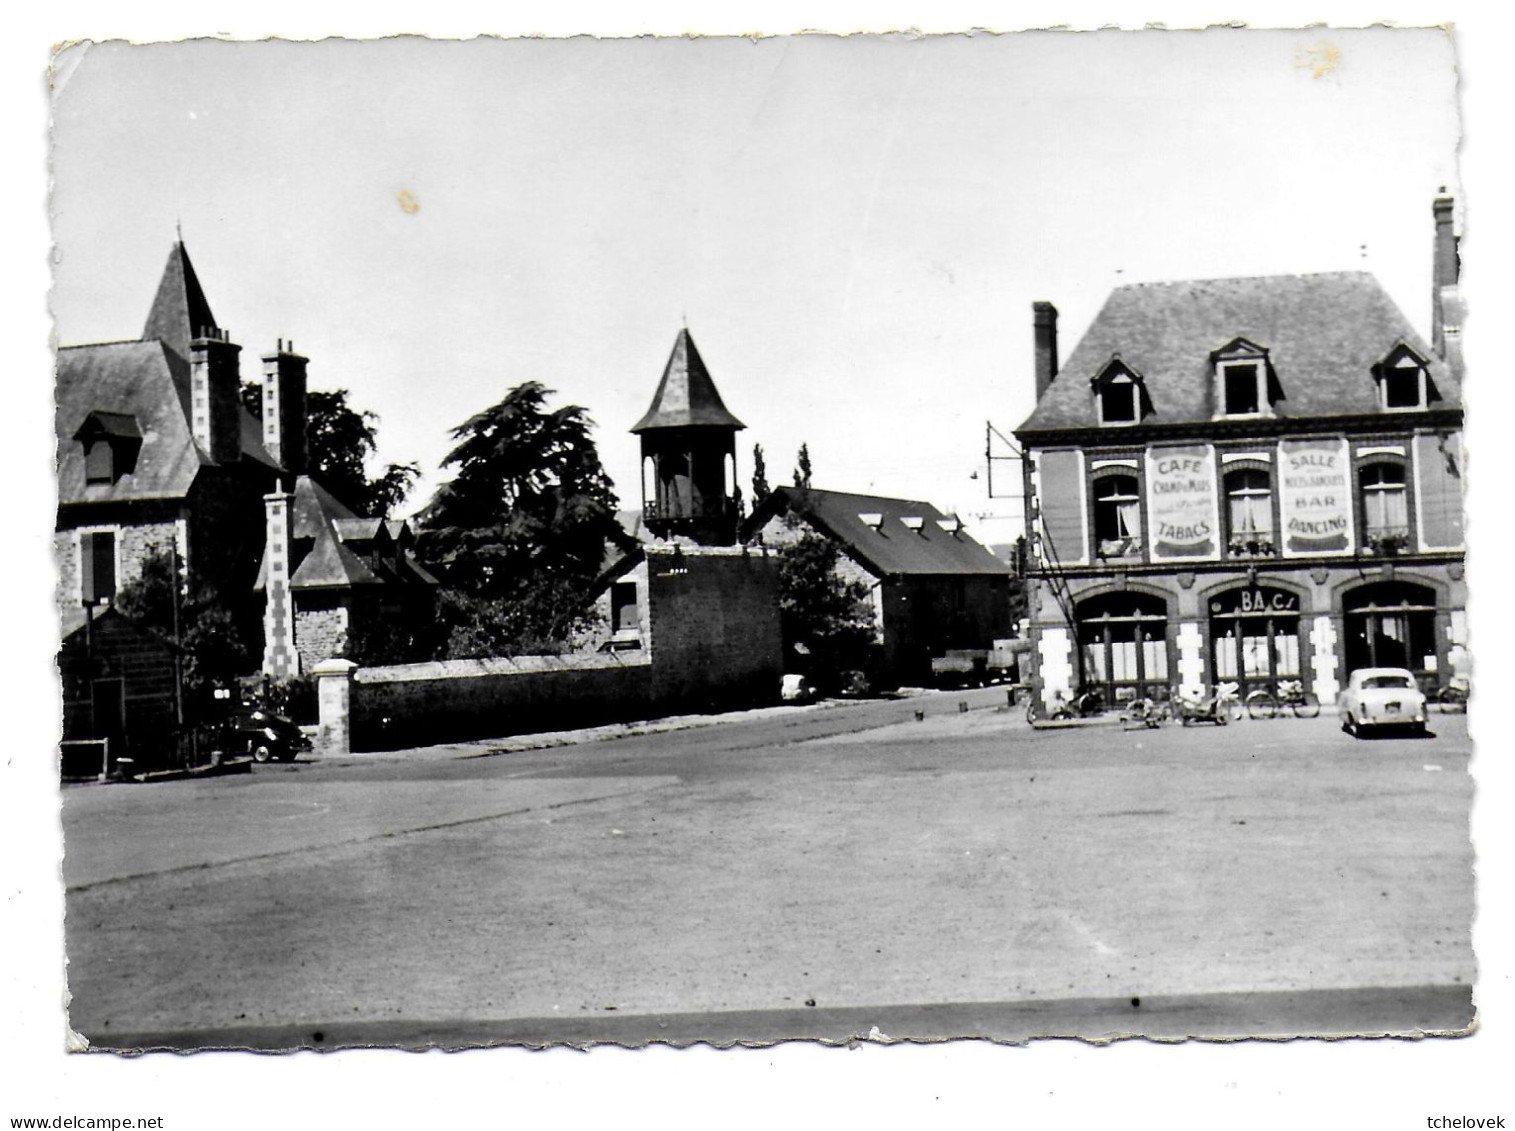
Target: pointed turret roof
[[180, 311], [686, 396]]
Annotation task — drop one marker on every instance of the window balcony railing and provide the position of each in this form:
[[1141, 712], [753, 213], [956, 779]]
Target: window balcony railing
[[1251, 546], [1387, 541], [683, 509]]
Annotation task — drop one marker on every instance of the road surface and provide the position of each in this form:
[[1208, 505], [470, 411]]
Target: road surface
[[829, 872]]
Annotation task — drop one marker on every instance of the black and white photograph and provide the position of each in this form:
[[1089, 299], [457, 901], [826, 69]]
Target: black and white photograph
[[681, 545]]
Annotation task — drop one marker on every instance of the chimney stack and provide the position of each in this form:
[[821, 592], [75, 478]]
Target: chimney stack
[[280, 659], [1044, 323], [284, 410], [215, 398], [1445, 269]]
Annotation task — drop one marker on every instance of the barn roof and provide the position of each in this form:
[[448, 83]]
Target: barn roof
[[885, 535]]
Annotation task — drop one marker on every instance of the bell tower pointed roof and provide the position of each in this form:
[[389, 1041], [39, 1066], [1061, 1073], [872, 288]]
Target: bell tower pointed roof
[[180, 310], [686, 396]]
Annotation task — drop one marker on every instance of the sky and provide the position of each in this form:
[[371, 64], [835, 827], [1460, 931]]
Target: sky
[[853, 229]]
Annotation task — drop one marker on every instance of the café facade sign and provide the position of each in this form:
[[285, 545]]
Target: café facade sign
[[1315, 496], [1182, 505]]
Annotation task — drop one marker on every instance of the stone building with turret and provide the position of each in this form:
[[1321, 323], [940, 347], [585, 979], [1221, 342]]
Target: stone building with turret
[[157, 455]]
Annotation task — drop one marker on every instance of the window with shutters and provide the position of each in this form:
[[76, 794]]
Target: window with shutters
[[97, 566]]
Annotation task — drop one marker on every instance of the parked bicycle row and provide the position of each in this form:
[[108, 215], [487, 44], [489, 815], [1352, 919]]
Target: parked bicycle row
[[1222, 704]]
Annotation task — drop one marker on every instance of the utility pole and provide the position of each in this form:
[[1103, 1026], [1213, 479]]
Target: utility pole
[[173, 580]]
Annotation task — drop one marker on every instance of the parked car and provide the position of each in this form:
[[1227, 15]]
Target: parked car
[[262, 734], [797, 689], [1381, 697]]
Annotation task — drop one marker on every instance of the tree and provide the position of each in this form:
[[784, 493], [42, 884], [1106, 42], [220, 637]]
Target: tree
[[802, 470], [830, 616], [217, 644], [339, 441], [760, 488], [518, 535]]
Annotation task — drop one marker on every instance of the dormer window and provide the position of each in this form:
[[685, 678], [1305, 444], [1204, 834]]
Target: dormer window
[[1404, 384], [1119, 395], [111, 441], [1244, 385]]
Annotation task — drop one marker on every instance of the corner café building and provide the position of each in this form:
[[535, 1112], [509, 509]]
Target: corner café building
[[1254, 480]]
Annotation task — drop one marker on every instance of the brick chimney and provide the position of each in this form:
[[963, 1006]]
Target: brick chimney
[[1044, 325], [215, 399], [280, 659], [1445, 269], [283, 408]]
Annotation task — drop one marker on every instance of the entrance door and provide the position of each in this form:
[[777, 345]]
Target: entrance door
[[1123, 646], [1392, 624], [108, 714], [1254, 636]]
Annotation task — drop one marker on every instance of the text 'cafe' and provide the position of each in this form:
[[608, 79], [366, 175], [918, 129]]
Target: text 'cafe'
[[1256, 480]]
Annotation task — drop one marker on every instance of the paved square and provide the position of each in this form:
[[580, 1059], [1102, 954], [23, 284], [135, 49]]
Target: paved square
[[803, 871]]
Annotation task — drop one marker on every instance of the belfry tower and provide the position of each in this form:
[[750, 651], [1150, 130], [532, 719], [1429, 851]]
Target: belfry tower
[[689, 454]]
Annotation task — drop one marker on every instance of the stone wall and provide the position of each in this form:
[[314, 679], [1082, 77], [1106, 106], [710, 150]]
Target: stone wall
[[135, 542], [456, 700], [320, 629], [713, 627]]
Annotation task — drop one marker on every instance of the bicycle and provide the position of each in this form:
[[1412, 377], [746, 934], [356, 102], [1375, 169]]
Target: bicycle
[[1264, 704], [1220, 708], [1083, 705]]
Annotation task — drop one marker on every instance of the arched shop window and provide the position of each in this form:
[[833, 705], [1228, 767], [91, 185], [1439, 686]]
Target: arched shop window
[[1254, 636], [1385, 513], [1123, 646], [1249, 512], [1392, 624], [1117, 516]]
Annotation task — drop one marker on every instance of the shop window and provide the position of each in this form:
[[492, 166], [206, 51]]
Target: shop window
[[1117, 516], [1392, 624], [1385, 509], [1123, 646], [1254, 636], [1249, 512]]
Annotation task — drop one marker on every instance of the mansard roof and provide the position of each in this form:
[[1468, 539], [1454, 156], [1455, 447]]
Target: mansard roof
[[180, 311], [1323, 335], [686, 396]]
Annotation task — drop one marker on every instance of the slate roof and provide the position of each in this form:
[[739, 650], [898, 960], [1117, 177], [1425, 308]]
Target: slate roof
[[686, 395], [149, 385], [892, 548], [180, 311], [337, 543], [317, 515], [1323, 333]]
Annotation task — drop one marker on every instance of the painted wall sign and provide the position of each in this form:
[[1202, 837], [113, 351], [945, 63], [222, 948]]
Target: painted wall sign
[[1256, 600], [1315, 496], [1181, 502]]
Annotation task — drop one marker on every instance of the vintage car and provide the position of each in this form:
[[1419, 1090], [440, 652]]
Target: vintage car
[[1381, 697]]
